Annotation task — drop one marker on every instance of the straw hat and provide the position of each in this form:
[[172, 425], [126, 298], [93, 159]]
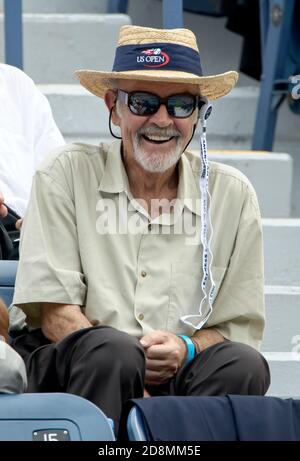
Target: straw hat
[[158, 55]]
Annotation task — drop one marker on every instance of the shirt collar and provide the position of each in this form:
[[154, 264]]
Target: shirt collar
[[115, 180]]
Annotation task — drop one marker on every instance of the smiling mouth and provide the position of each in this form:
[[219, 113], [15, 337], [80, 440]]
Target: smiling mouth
[[157, 139]]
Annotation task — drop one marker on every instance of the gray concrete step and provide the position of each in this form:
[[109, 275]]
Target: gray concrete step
[[274, 201], [282, 251], [77, 112], [57, 44], [282, 331], [281, 344], [63, 6], [285, 374]]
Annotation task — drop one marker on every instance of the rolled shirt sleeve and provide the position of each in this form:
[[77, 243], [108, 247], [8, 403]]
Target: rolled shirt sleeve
[[50, 267], [239, 312]]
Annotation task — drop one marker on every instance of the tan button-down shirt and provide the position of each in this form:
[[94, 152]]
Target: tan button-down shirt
[[87, 241]]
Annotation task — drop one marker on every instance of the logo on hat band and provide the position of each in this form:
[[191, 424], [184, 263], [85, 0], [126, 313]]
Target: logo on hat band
[[165, 56], [153, 58]]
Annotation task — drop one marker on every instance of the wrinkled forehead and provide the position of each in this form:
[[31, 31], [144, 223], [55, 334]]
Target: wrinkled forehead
[[160, 88]]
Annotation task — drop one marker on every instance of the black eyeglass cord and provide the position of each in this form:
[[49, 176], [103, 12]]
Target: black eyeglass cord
[[109, 124], [194, 129]]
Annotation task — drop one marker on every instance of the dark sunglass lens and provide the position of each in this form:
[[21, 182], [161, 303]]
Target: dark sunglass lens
[[143, 103], [181, 106]]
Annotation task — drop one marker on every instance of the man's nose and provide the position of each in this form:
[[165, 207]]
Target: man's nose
[[161, 117]]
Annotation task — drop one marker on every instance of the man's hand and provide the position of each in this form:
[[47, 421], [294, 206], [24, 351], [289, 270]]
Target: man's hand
[[165, 353], [3, 209], [19, 224]]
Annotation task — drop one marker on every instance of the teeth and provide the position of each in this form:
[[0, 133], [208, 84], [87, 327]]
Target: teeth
[[159, 138]]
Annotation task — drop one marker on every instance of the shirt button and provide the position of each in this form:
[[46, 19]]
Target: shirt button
[[141, 316], [143, 274]]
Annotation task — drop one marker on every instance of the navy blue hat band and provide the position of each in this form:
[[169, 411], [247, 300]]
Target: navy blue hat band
[[160, 56]]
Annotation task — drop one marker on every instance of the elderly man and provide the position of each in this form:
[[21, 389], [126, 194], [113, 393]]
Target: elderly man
[[111, 275]]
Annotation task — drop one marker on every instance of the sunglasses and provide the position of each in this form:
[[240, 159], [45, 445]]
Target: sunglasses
[[145, 104]]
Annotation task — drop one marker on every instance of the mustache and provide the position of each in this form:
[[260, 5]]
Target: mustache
[[154, 131]]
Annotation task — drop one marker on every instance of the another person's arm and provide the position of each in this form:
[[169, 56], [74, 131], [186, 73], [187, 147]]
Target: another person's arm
[[60, 320], [47, 135], [37, 116]]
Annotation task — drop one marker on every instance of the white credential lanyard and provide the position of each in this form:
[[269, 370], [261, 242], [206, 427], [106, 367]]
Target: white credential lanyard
[[207, 283]]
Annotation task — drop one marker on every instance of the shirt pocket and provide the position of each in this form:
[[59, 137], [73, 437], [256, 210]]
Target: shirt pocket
[[185, 291]]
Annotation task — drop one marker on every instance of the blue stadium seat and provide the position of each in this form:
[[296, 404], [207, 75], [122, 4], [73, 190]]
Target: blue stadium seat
[[136, 427], [52, 417], [8, 270]]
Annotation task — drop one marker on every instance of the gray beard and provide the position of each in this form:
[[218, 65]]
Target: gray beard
[[157, 162]]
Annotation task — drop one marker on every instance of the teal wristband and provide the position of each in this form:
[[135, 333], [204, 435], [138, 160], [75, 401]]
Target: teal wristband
[[190, 348]]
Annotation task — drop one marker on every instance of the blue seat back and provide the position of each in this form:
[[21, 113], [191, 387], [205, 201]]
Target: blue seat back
[[52, 417], [136, 427]]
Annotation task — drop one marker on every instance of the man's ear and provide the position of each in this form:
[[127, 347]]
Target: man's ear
[[110, 99]]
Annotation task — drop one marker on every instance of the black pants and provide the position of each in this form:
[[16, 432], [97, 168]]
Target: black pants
[[107, 367]]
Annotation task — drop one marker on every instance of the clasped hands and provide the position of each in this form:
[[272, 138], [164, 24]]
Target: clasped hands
[[165, 353]]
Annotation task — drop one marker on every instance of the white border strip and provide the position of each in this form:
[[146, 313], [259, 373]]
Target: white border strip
[[282, 290], [281, 356], [281, 222]]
